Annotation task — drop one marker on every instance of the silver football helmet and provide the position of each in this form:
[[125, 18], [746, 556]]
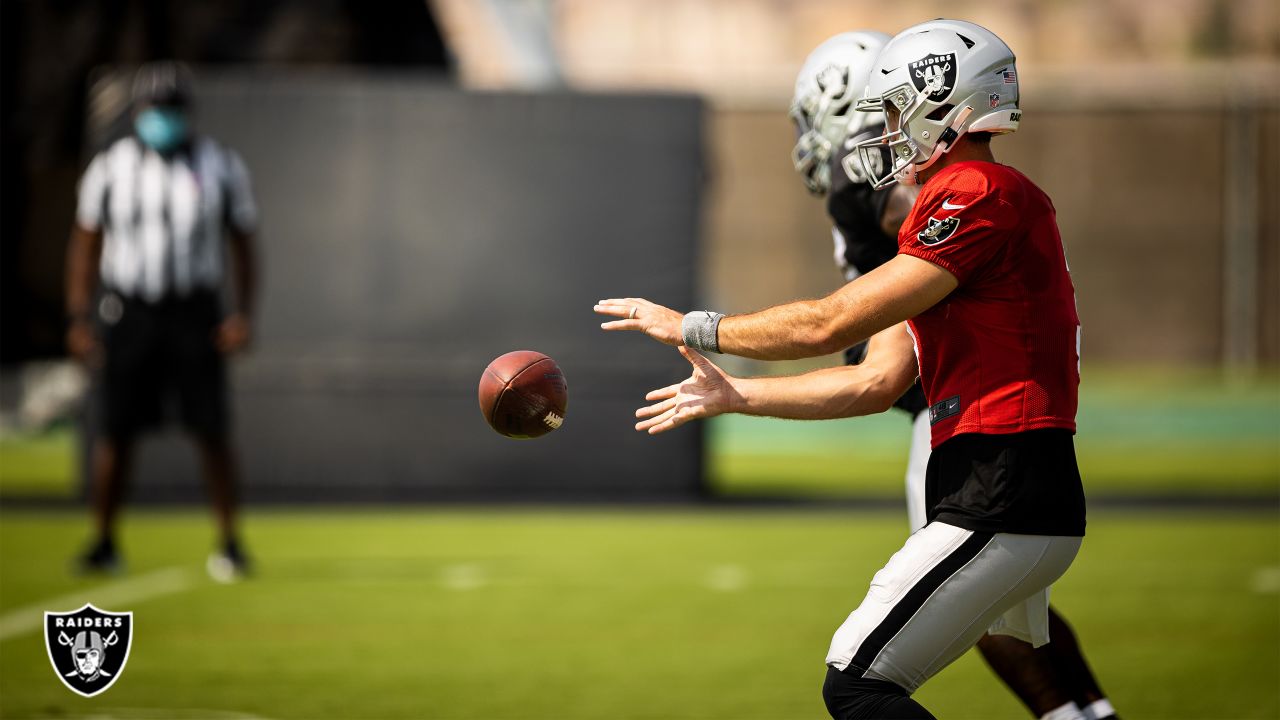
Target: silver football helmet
[[934, 82], [831, 80]]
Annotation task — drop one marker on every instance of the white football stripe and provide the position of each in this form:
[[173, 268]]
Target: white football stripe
[[117, 596]]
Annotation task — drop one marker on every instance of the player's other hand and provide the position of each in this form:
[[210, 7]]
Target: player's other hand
[[82, 341], [708, 392], [660, 323], [233, 334]]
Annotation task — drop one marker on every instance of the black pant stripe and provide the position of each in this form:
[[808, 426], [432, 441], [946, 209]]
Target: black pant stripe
[[914, 599]]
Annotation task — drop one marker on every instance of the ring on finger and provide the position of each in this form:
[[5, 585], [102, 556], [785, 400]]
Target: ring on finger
[[632, 316]]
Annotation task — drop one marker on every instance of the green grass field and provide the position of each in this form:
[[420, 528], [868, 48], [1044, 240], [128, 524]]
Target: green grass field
[[39, 464], [689, 613], [594, 614]]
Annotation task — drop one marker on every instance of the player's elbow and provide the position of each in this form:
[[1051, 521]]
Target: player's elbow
[[879, 398], [865, 394], [826, 338], [880, 402], [833, 327]]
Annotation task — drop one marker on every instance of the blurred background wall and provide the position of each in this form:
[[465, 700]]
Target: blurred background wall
[[414, 231]]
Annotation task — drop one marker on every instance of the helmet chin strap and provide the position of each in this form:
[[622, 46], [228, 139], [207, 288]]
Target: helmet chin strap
[[907, 175]]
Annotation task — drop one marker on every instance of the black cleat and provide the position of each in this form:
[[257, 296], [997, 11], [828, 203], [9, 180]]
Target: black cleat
[[100, 559], [229, 564]]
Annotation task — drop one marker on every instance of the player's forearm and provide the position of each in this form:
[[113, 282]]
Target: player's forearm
[[804, 329], [84, 252], [784, 332], [898, 290], [848, 391]]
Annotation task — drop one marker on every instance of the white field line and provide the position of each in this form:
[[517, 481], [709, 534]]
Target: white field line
[[117, 596], [727, 578], [1266, 580], [463, 577], [166, 714]]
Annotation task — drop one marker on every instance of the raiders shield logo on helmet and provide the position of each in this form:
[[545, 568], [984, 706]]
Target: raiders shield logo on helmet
[[88, 647], [934, 76], [938, 230]]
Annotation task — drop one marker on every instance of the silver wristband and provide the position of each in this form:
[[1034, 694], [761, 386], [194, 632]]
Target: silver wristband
[[701, 330]]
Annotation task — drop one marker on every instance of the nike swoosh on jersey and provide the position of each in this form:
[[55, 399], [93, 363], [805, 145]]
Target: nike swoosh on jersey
[[946, 205]]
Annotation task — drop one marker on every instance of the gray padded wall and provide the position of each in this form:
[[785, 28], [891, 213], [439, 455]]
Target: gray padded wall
[[412, 232]]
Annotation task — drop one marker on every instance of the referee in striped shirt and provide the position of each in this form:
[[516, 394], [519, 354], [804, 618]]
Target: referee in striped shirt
[[157, 212]]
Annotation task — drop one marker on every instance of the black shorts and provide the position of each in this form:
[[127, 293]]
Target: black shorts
[[160, 364], [1026, 483]]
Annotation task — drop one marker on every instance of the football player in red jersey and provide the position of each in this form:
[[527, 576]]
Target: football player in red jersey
[[1053, 681], [979, 304]]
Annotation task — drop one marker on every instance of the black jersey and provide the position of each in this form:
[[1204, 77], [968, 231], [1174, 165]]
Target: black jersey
[[861, 245], [855, 209]]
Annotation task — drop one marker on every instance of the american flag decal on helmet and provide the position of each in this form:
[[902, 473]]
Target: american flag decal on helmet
[[1010, 76]]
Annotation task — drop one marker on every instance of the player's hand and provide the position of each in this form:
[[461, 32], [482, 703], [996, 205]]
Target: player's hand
[[708, 392], [233, 334], [660, 323], [82, 341]]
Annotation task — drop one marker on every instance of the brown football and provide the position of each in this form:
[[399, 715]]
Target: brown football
[[523, 394]]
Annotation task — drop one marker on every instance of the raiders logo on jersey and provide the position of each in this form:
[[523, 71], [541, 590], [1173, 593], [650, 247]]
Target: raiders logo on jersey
[[938, 230]]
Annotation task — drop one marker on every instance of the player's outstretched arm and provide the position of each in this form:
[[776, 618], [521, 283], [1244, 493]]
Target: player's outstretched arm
[[900, 289], [846, 391], [896, 291]]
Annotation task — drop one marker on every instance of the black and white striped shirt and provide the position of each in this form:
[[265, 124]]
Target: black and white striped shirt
[[164, 220]]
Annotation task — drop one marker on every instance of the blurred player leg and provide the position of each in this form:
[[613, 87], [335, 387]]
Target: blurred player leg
[[1071, 666], [110, 464], [1029, 672], [1053, 681], [203, 394], [917, 464], [229, 562], [127, 401], [220, 477]]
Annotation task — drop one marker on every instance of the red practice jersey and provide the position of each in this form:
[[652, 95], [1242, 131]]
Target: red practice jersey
[[1001, 353]]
